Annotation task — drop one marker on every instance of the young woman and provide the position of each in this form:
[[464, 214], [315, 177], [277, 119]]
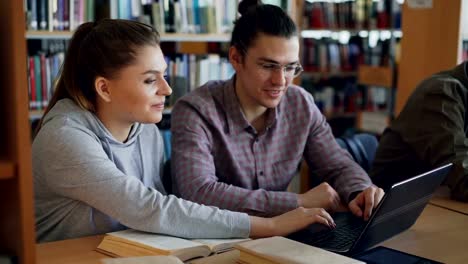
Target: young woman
[[97, 157]]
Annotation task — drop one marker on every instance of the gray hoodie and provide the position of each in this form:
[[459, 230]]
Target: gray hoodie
[[88, 183]]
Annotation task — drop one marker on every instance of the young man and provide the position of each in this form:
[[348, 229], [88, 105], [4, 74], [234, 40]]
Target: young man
[[432, 130], [237, 143]]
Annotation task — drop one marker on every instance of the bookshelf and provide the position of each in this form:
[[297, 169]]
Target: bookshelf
[[328, 33], [349, 53], [432, 43], [194, 38], [17, 236], [166, 37]]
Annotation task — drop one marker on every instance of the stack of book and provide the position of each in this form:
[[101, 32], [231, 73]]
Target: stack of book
[[132, 243], [282, 250]]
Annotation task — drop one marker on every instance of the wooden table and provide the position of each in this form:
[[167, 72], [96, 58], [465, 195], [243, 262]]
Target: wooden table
[[71, 251], [442, 199], [439, 234]]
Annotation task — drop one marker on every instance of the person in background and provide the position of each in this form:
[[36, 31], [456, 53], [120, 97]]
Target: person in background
[[98, 156], [430, 131], [236, 144]]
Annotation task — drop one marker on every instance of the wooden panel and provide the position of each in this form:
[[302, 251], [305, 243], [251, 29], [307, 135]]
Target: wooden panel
[[429, 44], [72, 251], [374, 75], [16, 209], [11, 241], [7, 170], [193, 47]]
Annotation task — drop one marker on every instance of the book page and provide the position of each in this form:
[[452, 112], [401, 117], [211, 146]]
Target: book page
[[228, 257], [221, 245], [167, 243], [143, 260]]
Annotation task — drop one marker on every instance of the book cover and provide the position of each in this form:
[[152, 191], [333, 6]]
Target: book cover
[[32, 81], [38, 78], [282, 250]]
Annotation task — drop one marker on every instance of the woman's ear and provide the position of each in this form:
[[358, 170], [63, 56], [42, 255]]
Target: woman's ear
[[103, 90], [235, 58]]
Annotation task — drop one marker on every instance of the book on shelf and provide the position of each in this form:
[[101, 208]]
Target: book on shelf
[[356, 14], [282, 250], [60, 15], [133, 243], [167, 16]]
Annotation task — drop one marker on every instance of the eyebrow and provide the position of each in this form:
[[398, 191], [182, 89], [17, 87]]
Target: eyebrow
[[276, 62], [153, 72]]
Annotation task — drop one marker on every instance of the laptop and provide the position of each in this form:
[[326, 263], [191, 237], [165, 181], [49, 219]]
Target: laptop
[[397, 211]]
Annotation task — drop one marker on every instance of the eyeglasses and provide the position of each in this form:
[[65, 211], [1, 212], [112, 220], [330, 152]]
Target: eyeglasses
[[289, 70], [267, 68]]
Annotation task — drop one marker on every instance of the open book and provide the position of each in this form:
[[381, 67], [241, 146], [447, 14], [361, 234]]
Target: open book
[[282, 250], [132, 243], [143, 260]]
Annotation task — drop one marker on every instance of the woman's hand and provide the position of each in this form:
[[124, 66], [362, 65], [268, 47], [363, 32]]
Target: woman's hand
[[289, 222]]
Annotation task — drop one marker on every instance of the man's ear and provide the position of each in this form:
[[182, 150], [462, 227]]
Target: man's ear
[[103, 90], [235, 57]]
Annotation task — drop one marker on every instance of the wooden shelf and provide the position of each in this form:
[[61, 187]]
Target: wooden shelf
[[43, 34], [196, 37], [375, 75], [176, 37], [329, 74], [374, 122], [35, 114], [327, 33], [340, 115], [7, 169]]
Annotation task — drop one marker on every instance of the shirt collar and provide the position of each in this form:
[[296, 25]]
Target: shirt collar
[[235, 117]]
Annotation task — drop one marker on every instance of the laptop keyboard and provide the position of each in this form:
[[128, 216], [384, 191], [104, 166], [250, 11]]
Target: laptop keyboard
[[348, 228]]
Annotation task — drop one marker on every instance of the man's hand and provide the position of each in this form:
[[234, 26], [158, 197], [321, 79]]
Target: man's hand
[[322, 196], [365, 201]]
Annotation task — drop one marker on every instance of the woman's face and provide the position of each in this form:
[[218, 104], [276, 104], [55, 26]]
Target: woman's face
[[139, 90]]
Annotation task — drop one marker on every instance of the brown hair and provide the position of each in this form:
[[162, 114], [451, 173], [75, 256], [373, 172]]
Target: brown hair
[[98, 49], [259, 18]]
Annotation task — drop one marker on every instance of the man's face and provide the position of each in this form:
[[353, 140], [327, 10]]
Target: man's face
[[266, 70]]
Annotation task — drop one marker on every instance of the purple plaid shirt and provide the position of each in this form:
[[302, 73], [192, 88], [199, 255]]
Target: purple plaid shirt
[[219, 159]]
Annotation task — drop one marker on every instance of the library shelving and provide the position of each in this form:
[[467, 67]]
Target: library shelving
[[175, 37], [347, 32], [349, 54], [432, 42], [194, 38], [17, 236], [375, 121]]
